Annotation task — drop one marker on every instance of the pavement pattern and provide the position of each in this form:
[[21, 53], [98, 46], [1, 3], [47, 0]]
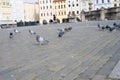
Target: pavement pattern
[[116, 72], [84, 53]]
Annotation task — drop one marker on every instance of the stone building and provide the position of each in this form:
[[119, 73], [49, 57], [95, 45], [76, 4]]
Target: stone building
[[6, 14], [73, 8], [45, 10], [102, 14], [31, 12], [17, 10], [59, 9], [116, 3], [98, 4], [5, 10]]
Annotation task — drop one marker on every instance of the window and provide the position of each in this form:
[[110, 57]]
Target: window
[[69, 5], [73, 5], [50, 7], [61, 6], [47, 7], [76, 4], [115, 5], [47, 14], [102, 1], [41, 14], [59, 13], [64, 6], [77, 12], [64, 12], [43, 7], [69, 12], [96, 1], [3, 3], [73, 12], [7, 3], [51, 13], [46, 1]]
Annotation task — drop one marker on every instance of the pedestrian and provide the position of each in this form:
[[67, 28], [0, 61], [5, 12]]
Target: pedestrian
[[11, 35]]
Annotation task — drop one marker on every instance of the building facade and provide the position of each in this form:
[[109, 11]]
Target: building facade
[[59, 10], [87, 5], [17, 10], [102, 14], [36, 11], [45, 10], [98, 4], [73, 7], [116, 3], [31, 12], [5, 10]]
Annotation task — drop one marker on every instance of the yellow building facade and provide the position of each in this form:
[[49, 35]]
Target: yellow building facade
[[60, 9], [5, 10], [31, 12]]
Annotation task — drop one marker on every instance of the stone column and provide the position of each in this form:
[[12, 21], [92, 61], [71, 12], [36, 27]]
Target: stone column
[[102, 14], [82, 15]]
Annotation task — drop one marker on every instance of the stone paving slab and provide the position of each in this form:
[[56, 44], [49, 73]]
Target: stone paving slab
[[115, 74], [84, 51]]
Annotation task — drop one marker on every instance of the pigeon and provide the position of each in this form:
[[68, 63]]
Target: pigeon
[[41, 40], [60, 34], [16, 31], [117, 26], [31, 32], [110, 27], [101, 27]]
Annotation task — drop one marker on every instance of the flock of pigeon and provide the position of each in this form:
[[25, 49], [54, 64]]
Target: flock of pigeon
[[115, 26], [61, 32], [41, 40]]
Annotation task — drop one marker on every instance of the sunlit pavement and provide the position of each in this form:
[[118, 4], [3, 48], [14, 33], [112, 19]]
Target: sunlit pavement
[[84, 53]]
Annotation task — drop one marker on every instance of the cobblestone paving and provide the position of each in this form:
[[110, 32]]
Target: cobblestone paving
[[85, 53]]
